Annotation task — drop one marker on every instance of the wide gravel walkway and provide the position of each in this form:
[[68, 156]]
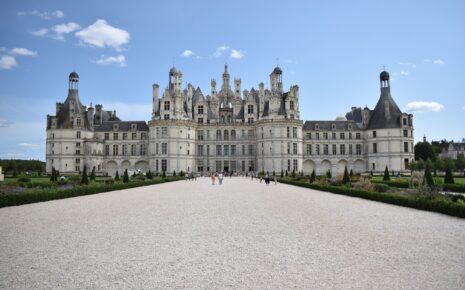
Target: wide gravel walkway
[[241, 234]]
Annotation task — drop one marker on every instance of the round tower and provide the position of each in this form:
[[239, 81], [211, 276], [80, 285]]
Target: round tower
[[73, 80]]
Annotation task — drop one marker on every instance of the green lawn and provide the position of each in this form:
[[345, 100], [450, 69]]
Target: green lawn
[[43, 179], [438, 179]]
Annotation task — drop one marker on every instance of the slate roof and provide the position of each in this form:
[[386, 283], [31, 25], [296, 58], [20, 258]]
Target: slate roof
[[378, 117], [355, 115], [327, 125], [123, 126], [64, 120]]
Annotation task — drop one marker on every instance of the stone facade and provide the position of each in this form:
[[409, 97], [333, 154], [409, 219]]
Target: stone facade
[[454, 150], [228, 130]]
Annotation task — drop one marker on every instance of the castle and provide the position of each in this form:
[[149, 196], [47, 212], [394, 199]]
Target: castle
[[228, 130]]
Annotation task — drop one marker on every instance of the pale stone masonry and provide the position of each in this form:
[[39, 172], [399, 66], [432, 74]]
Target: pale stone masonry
[[228, 130]]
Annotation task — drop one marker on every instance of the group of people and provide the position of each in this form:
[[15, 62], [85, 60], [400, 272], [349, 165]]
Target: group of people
[[252, 175], [220, 176]]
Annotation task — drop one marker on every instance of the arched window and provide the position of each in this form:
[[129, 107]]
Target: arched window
[[226, 135], [233, 134], [218, 134]]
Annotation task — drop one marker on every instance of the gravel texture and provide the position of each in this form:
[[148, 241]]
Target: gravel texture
[[242, 234]]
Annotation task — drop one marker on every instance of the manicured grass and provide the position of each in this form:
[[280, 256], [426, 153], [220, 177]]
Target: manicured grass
[[434, 204]]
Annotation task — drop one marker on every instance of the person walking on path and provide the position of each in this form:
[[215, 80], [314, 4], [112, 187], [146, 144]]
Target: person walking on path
[[267, 178], [213, 178], [220, 178], [275, 181]]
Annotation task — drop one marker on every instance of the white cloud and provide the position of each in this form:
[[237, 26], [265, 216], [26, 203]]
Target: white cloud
[[28, 145], [100, 34], [412, 65], [40, 32], [22, 52], [5, 123], [118, 60], [236, 54], [43, 15], [424, 106], [187, 53], [7, 62], [438, 61], [61, 29]]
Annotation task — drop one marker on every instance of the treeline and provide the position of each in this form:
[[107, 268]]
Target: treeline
[[15, 167], [427, 155]]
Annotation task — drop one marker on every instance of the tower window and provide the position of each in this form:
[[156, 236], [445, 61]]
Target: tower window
[[250, 109], [200, 110], [291, 105], [167, 105]]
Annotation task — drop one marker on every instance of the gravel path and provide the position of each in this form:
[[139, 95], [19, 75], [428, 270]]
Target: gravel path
[[242, 234]]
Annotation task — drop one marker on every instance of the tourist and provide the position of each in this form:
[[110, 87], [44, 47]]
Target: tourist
[[267, 178], [220, 178], [275, 180], [213, 178]]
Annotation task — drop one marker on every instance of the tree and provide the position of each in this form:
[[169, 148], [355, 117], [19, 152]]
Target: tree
[[126, 176], [346, 178], [282, 173], [174, 172], [313, 176], [351, 174], [460, 162], [164, 174], [92, 174], [371, 172], [439, 164], [386, 174], [293, 173], [421, 164], [53, 176], [84, 178], [149, 174], [274, 173], [449, 177], [117, 175], [424, 150], [428, 179]]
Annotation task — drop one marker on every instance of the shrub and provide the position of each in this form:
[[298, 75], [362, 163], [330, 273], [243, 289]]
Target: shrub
[[381, 187], [313, 176], [174, 172], [328, 174], [386, 174], [293, 173], [74, 179], [92, 174], [282, 173], [364, 184], [126, 176], [24, 179], [428, 179], [116, 176], [164, 174], [351, 174], [84, 179], [448, 178], [109, 181], [346, 178]]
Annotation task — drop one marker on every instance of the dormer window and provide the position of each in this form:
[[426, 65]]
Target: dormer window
[[317, 127], [350, 126], [133, 127], [115, 127], [333, 126]]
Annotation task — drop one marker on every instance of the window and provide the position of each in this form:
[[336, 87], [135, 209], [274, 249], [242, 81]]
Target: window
[[107, 136], [404, 121], [208, 150], [374, 134], [250, 149], [250, 120], [78, 122], [200, 135], [226, 135], [143, 136], [124, 150], [291, 116], [125, 136], [373, 166], [107, 150], [406, 147], [317, 136], [309, 149], [291, 105], [142, 149], [164, 166], [166, 116], [333, 136], [226, 150], [78, 160], [325, 149], [78, 168], [308, 136], [405, 133], [295, 168], [233, 150], [164, 132], [200, 120], [358, 149], [294, 132], [243, 150], [342, 135], [115, 136], [200, 110], [167, 105], [133, 150], [325, 135], [288, 135], [350, 135], [78, 152], [250, 109], [294, 148], [78, 144], [288, 165], [233, 134], [317, 148], [115, 150], [288, 148], [342, 149], [218, 150], [164, 148], [334, 149], [357, 136], [78, 134], [350, 149], [134, 136], [156, 148], [375, 148], [218, 134]]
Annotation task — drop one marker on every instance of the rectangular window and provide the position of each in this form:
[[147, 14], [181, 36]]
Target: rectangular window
[[164, 166], [124, 151], [156, 148], [78, 134], [243, 150], [325, 149], [142, 149], [200, 120], [107, 150], [317, 136], [294, 132], [358, 149], [288, 165], [167, 105], [342, 149], [295, 167], [208, 150], [200, 135], [288, 135], [405, 133], [164, 132], [404, 121], [78, 152], [133, 150], [166, 116], [250, 109], [125, 136], [350, 149], [375, 148], [200, 110], [115, 150], [294, 148], [406, 147], [350, 135], [226, 150], [78, 122], [200, 150], [317, 148], [233, 150], [134, 136], [115, 136], [218, 150], [250, 149], [325, 135], [334, 149], [143, 136], [288, 148], [78, 144], [374, 134], [334, 136], [309, 149], [291, 105], [342, 136], [164, 148], [250, 120], [78, 160], [218, 165], [308, 136], [357, 136]]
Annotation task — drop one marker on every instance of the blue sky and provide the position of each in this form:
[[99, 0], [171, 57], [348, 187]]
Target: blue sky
[[334, 51]]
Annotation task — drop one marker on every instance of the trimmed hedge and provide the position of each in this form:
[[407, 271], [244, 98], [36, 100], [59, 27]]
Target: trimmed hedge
[[454, 187], [403, 184], [393, 183], [55, 193], [440, 205]]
